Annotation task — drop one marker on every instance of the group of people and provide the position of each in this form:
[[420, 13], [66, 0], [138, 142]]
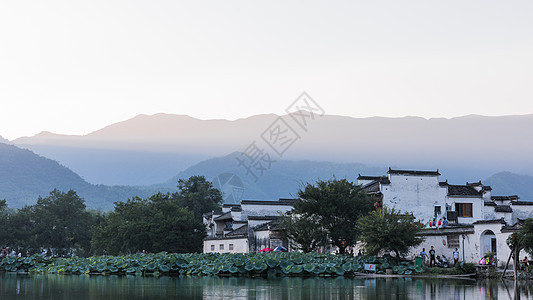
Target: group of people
[[433, 258], [441, 223], [6, 251]]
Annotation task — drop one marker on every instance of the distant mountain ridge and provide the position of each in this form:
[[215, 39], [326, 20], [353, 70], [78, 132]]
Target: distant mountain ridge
[[507, 183], [469, 146], [281, 180], [24, 176]]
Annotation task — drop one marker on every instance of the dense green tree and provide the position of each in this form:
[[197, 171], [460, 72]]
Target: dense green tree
[[62, 222], [58, 222], [302, 232], [330, 208], [389, 230], [198, 195], [156, 224]]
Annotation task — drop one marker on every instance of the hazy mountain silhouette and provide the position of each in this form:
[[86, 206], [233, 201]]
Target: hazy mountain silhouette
[[24, 176], [281, 180], [150, 149], [3, 140], [507, 183]]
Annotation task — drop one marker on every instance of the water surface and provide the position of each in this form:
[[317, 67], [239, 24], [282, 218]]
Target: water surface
[[80, 287]]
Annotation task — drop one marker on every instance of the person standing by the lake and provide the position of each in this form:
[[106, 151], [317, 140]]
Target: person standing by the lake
[[424, 255], [432, 257], [455, 255]]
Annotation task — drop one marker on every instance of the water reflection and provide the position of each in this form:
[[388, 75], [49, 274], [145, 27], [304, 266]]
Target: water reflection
[[132, 287]]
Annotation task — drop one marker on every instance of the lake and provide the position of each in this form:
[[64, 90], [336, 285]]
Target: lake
[[81, 287]]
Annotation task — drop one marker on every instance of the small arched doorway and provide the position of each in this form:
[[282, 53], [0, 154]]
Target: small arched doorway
[[488, 242]]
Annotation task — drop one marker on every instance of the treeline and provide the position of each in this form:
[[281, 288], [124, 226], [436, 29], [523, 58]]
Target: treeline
[[62, 226]]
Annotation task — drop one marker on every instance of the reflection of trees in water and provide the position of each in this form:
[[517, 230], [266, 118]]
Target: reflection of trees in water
[[186, 287], [517, 289]]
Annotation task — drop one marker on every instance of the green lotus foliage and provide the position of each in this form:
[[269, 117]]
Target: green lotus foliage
[[196, 264]]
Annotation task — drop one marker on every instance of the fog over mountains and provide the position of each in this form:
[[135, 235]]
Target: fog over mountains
[[150, 149], [146, 154]]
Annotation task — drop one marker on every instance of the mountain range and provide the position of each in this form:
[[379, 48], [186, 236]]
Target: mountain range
[[145, 154], [148, 150], [25, 176]]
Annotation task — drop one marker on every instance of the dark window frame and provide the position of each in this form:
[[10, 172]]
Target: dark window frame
[[464, 210]]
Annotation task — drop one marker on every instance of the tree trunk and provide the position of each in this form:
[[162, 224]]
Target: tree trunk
[[507, 264], [515, 260]]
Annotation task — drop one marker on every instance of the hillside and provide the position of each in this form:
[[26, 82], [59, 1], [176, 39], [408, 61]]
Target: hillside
[[24, 176], [149, 149], [507, 183], [282, 180]]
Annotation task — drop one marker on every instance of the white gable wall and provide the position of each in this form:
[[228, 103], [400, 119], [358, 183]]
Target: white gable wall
[[414, 193]]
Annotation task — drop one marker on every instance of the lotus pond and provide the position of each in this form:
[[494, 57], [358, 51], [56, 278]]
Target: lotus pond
[[272, 264]]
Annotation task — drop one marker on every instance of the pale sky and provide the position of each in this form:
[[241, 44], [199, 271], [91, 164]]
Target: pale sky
[[73, 67]]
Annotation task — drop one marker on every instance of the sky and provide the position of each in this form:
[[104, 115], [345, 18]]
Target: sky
[[72, 67]]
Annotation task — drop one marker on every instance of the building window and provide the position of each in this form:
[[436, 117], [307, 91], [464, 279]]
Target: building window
[[212, 247], [464, 210], [453, 241], [221, 247], [437, 211], [231, 246]]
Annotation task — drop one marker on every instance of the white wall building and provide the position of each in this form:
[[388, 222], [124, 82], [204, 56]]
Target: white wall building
[[479, 222], [246, 227]]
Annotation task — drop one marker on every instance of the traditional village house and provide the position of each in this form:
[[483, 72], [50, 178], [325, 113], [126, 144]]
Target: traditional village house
[[247, 227], [479, 223]]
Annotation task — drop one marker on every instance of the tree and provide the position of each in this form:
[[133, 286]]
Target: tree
[[302, 232], [522, 239], [389, 230], [62, 222], [330, 208], [198, 195], [158, 223], [58, 222]]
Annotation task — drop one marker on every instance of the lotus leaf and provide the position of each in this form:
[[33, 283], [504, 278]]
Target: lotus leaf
[[296, 269], [309, 267], [272, 263], [260, 266], [151, 266], [347, 267], [408, 272], [101, 267], [285, 263], [249, 266]]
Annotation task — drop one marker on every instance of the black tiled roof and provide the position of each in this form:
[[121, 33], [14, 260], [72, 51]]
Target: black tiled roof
[[462, 190], [268, 202], [414, 172], [490, 203], [496, 221], [521, 202], [239, 231], [505, 198], [226, 216], [503, 208], [263, 218], [371, 187], [381, 179]]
